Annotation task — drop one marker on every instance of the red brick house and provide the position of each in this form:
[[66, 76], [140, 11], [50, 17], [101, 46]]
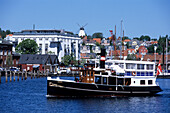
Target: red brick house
[[5, 52]]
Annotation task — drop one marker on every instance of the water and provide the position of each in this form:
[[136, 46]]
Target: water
[[30, 96]]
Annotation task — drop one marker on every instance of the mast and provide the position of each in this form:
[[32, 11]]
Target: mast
[[166, 54], [115, 43], [123, 45], [121, 41]]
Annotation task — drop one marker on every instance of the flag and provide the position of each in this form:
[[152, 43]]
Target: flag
[[159, 69]]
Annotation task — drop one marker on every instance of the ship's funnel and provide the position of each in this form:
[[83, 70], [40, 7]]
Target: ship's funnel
[[103, 58]]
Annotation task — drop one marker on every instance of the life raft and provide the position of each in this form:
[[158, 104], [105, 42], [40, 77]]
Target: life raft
[[133, 73]]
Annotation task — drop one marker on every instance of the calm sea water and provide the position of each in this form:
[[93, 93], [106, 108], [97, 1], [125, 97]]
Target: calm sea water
[[30, 96]]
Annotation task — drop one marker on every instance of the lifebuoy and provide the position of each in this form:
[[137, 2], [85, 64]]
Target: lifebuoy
[[133, 73]]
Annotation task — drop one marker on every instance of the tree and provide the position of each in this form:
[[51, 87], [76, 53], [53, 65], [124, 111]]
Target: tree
[[27, 47], [4, 33], [97, 35], [131, 57], [66, 60], [83, 44], [125, 37], [89, 37], [145, 38], [161, 44], [150, 49], [51, 53], [97, 44], [136, 38], [69, 59]]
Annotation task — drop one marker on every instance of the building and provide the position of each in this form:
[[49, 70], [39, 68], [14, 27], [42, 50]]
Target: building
[[59, 42], [5, 53], [30, 62]]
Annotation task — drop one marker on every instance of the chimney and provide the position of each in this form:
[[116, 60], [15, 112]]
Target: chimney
[[102, 60]]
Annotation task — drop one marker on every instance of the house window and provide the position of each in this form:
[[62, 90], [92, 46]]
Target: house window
[[40, 38], [46, 48], [149, 82], [40, 48], [142, 82]]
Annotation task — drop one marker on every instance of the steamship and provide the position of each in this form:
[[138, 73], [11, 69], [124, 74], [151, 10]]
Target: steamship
[[124, 78]]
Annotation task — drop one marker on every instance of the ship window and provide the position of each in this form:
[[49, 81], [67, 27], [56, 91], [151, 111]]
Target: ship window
[[142, 82], [150, 73], [104, 80], [134, 81], [149, 66], [97, 72], [130, 66], [120, 81], [105, 73], [142, 73], [128, 73], [112, 80], [140, 66], [147, 74], [138, 73], [150, 82], [98, 80]]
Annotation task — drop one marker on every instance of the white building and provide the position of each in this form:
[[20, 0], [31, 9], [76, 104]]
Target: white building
[[59, 42]]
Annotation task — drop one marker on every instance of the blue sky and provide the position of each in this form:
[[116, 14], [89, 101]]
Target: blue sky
[[140, 17]]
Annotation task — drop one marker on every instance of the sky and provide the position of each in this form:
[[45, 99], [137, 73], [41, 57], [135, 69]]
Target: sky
[[140, 17]]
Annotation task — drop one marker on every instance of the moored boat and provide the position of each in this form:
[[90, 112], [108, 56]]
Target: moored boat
[[136, 79]]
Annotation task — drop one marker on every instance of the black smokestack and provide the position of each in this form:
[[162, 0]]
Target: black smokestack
[[102, 59]]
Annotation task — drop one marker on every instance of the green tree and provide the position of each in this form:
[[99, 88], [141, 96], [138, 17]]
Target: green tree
[[66, 59], [150, 49], [136, 38], [97, 35], [69, 59], [27, 47], [145, 38], [51, 53], [125, 37], [131, 57], [97, 44], [83, 44], [89, 37], [161, 44], [4, 33]]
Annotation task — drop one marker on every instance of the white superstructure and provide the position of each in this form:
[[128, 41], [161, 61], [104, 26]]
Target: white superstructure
[[58, 42]]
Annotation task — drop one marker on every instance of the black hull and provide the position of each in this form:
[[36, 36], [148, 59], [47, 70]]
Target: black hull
[[74, 89]]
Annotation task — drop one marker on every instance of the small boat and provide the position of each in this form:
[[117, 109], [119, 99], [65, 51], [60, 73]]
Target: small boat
[[126, 78]]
